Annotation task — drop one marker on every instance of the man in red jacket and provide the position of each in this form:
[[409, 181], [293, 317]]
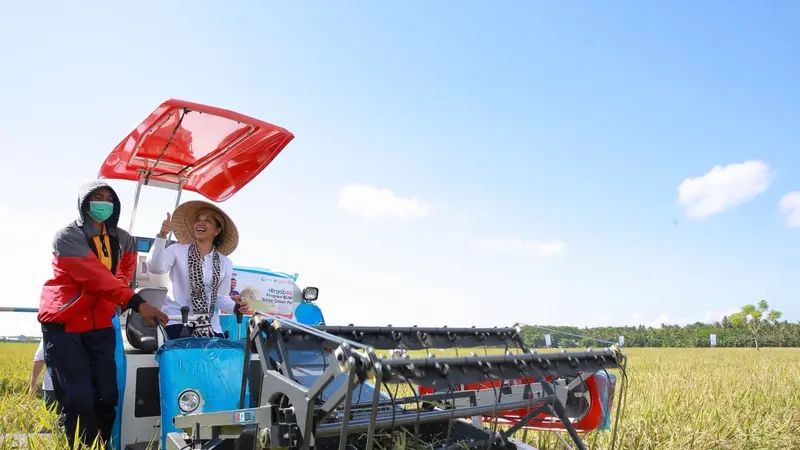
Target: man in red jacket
[[93, 265]]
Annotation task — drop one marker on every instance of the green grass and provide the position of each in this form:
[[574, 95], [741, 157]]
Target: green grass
[[678, 399]]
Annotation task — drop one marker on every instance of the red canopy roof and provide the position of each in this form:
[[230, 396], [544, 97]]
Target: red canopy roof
[[215, 151]]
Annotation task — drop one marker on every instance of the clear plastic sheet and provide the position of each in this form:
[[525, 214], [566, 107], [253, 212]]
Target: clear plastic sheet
[[122, 366], [605, 383]]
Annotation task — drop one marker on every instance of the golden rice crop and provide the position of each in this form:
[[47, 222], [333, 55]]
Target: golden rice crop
[[678, 399]]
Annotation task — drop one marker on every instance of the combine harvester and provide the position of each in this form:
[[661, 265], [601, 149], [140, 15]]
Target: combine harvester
[[283, 378]]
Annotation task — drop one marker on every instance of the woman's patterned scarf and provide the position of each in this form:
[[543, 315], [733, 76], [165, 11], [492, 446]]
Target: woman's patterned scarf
[[200, 304]]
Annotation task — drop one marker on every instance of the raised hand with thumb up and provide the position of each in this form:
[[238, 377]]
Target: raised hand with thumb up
[[166, 227]]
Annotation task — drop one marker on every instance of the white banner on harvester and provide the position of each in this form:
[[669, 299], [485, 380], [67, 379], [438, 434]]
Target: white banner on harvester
[[266, 293], [621, 340], [713, 339], [547, 340]]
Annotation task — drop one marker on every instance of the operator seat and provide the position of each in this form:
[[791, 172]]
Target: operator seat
[[140, 334]]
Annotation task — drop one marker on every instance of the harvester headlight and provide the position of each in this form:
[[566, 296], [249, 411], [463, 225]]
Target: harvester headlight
[[310, 293], [189, 400]]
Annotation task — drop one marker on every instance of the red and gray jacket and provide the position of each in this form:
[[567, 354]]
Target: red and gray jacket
[[83, 293]]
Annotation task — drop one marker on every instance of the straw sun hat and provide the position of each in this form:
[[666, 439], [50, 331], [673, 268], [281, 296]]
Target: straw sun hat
[[183, 224]]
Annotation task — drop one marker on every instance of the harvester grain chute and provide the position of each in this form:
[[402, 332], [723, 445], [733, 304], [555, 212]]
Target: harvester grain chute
[[283, 378]]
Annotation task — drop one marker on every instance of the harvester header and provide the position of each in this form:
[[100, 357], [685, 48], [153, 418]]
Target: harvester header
[[288, 411]]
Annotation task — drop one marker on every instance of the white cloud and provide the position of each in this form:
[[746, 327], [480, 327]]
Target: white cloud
[[665, 318], [371, 203], [717, 315], [635, 319], [552, 247], [723, 187], [790, 206], [662, 318], [655, 321], [603, 320]]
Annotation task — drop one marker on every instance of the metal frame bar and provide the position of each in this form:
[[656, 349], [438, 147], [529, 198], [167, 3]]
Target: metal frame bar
[[177, 202], [137, 194], [139, 184], [145, 174], [421, 338], [18, 309]]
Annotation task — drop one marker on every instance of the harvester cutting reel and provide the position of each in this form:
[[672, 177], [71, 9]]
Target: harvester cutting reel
[[323, 387]]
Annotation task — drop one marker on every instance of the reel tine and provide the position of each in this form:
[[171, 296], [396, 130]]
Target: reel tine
[[451, 390], [376, 396], [348, 401], [419, 408]]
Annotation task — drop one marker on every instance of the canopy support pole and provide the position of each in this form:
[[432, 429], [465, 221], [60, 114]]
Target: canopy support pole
[[136, 201], [177, 202]]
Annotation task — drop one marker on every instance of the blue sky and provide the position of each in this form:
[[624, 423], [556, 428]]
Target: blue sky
[[531, 152]]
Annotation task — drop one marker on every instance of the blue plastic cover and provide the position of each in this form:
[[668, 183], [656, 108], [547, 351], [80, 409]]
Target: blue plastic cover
[[228, 323], [308, 366], [308, 314], [122, 367], [210, 366]]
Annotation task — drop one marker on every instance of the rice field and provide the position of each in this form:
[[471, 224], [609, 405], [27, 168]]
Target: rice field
[[677, 399]]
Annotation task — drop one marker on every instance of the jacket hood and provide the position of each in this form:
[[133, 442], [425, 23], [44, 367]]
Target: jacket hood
[[83, 203]]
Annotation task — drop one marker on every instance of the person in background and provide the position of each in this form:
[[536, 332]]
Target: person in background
[[234, 293], [200, 271], [93, 263], [47, 383]]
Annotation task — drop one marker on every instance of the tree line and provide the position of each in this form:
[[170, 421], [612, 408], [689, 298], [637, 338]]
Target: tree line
[[779, 334], [753, 326]]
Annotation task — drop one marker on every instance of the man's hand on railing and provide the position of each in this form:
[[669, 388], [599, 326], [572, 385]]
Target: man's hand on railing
[[151, 315]]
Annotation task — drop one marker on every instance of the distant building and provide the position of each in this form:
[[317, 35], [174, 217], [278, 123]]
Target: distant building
[[21, 338]]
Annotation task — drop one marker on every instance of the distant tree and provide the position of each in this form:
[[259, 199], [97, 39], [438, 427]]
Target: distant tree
[[754, 317], [779, 333]]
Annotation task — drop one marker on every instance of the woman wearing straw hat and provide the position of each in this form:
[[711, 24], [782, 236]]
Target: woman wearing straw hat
[[199, 268]]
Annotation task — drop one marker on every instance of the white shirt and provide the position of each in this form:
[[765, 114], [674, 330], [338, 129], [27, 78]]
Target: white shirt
[[175, 260], [47, 385]]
